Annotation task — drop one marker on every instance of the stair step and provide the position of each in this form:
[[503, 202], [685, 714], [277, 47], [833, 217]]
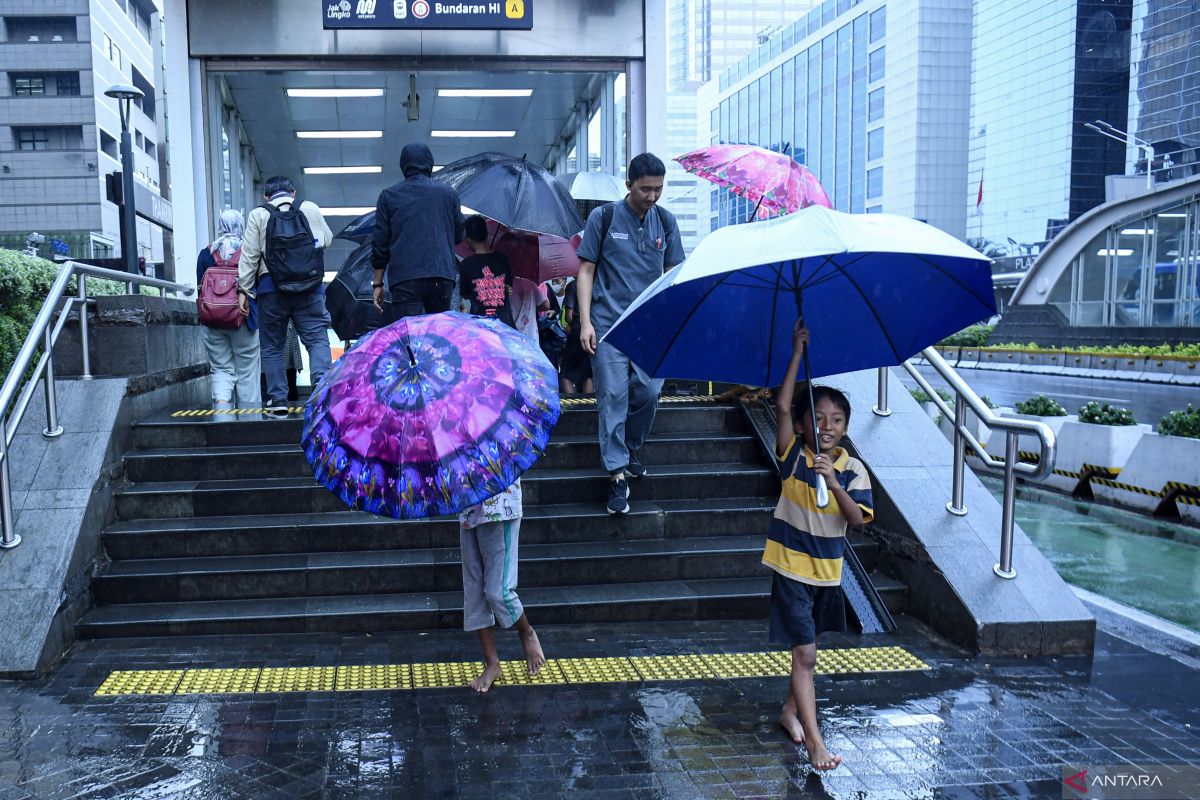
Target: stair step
[[718, 598], [163, 430], [429, 570], [893, 592], [356, 530], [284, 460], [540, 487]]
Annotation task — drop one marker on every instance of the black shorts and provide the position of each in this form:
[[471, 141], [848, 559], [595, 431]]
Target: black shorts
[[800, 612]]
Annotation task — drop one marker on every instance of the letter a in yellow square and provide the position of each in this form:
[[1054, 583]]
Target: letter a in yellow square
[[514, 9]]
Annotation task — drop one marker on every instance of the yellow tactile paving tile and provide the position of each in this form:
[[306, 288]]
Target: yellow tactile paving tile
[[141, 681], [596, 670], [218, 681], [749, 665], [516, 673], [297, 679], [557, 671], [373, 677], [440, 676], [672, 668]]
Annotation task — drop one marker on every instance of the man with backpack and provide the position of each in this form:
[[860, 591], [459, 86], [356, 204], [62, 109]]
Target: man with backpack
[[626, 246], [283, 268]]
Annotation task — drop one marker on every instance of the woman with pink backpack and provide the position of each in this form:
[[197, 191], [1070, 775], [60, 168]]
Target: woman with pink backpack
[[230, 337]]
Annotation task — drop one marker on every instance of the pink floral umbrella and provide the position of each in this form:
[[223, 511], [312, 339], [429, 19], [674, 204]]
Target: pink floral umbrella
[[775, 181], [430, 415]]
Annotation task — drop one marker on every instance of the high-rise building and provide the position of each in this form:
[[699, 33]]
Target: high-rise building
[[704, 39], [871, 95], [60, 135], [1164, 92], [1034, 166]]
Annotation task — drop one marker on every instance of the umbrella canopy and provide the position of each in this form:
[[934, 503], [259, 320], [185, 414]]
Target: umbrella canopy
[[873, 290], [431, 415], [598, 186], [776, 182], [536, 257], [349, 296], [515, 192]]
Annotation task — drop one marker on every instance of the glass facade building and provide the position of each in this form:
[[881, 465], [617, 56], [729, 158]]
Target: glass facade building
[[1033, 165], [1165, 86], [871, 96], [1143, 271]]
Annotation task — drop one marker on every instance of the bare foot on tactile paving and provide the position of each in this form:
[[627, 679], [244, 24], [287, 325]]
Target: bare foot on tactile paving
[[486, 678], [821, 759], [791, 726], [535, 659]]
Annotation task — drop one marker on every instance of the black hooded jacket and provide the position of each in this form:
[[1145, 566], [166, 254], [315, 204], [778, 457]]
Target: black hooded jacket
[[417, 223]]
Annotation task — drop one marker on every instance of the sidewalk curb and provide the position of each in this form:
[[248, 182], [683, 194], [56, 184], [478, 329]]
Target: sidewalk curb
[[1166, 637]]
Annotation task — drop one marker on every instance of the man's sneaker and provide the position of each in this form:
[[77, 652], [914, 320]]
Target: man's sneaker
[[618, 497], [276, 409], [636, 468]]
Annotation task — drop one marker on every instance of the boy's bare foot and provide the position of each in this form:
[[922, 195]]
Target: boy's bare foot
[[821, 759], [535, 659], [486, 678], [791, 726]]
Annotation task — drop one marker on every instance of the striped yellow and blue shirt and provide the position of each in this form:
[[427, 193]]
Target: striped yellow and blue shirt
[[805, 543]]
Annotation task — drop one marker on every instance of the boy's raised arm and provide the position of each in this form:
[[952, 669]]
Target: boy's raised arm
[[785, 426]]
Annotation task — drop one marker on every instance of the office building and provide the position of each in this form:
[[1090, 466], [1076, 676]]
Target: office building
[[59, 134], [1164, 97]]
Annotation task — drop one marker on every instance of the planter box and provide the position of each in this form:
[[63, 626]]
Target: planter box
[[1000, 358], [1026, 443], [1081, 443], [1154, 462], [1077, 360], [974, 425], [968, 356]]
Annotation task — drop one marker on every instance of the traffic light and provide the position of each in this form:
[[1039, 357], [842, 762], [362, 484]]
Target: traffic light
[[112, 188]]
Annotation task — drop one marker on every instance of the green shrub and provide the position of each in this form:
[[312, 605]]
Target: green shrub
[[1041, 406], [1181, 423], [24, 283], [987, 401], [1187, 350], [1097, 414], [919, 395], [973, 336]]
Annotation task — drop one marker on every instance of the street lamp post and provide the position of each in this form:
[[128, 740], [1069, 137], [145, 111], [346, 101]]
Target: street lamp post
[[1104, 129], [125, 94]]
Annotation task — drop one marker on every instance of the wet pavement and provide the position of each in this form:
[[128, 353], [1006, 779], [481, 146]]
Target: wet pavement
[[965, 728]]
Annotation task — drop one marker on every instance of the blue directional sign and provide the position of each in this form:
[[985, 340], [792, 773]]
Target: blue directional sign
[[428, 14]]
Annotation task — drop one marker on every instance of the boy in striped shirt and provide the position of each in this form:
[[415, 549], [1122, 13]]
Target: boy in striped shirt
[[805, 542]]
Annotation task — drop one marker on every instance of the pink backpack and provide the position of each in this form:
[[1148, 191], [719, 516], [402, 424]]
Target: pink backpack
[[217, 300]]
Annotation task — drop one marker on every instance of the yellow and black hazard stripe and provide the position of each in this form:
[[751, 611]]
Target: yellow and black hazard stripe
[[1128, 487]]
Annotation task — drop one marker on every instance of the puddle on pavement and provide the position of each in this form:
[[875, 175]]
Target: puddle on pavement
[[1132, 559]]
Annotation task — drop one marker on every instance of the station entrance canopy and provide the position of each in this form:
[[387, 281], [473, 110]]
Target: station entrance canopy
[[329, 91]]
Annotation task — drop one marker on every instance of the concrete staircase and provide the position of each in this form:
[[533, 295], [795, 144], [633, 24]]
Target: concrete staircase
[[221, 529]]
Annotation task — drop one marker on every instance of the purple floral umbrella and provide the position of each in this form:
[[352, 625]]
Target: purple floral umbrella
[[430, 415], [775, 181]]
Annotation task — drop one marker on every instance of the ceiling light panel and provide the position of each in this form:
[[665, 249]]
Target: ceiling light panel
[[335, 92], [339, 134], [342, 170], [473, 134], [484, 92]]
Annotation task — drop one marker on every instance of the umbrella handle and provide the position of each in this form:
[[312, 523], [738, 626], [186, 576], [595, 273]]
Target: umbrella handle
[[822, 489], [822, 492]]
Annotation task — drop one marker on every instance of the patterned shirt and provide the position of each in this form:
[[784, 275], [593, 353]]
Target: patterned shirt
[[806, 543], [501, 508]]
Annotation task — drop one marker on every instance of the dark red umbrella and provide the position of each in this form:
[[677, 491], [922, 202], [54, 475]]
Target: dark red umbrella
[[536, 257]]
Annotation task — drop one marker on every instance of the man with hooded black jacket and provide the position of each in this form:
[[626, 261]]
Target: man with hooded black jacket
[[417, 223]]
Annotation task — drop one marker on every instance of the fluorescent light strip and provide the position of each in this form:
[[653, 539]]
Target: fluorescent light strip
[[484, 92], [473, 134], [1120, 252], [335, 92], [339, 134], [342, 170], [346, 211], [1134, 232]]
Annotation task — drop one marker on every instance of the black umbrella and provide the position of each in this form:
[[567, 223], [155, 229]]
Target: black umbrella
[[349, 296], [514, 192], [360, 229]]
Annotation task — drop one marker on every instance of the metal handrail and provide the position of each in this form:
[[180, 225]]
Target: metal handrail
[[44, 335], [1011, 464]]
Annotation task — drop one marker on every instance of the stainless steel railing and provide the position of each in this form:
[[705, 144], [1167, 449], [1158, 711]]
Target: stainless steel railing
[[17, 391], [1010, 465]]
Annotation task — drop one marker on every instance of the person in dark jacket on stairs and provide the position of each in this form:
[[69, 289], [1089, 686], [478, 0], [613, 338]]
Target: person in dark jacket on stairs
[[417, 224]]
